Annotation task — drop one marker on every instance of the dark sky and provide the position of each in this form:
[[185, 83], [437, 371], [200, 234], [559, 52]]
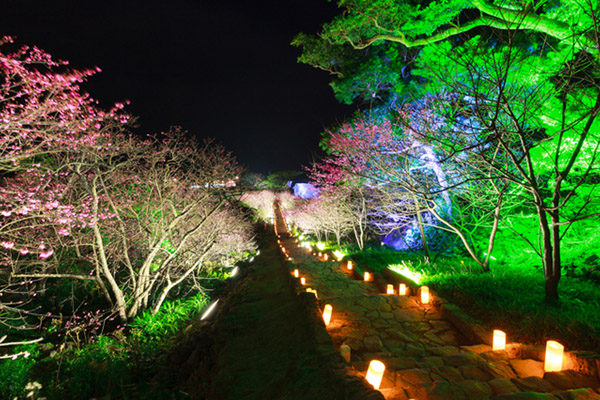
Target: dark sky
[[222, 69]]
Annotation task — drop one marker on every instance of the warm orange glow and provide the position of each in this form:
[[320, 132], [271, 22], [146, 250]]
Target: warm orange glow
[[320, 254], [499, 341], [554, 356], [310, 249], [367, 277], [283, 249], [375, 373], [390, 289], [303, 281], [296, 273], [402, 289], [313, 291], [424, 295], [350, 265], [345, 351], [325, 257], [327, 314]]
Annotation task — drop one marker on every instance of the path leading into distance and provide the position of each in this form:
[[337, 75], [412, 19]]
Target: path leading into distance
[[268, 341]]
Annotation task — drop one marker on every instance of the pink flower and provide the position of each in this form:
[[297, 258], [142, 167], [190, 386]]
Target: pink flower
[[24, 251], [6, 213], [44, 255], [8, 245], [63, 232]]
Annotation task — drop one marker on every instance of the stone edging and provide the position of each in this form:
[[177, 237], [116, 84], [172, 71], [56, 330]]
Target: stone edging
[[584, 362]]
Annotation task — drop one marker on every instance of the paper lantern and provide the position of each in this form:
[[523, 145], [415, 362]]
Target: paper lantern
[[367, 276], [345, 351], [313, 291], [325, 257], [283, 249], [320, 254], [296, 273], [375, 373], [303, 281], [350, 265], [499, 340], [327, 314], [424, 295], [554, 356], [402, 289], [390, 289]]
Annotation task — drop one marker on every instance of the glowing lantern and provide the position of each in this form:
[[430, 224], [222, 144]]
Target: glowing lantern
[[499, 340], [390, 289], [303, 281], [313, 291], [375, 373], [367, 276], [325, 257], [327, 314], [350, 265], [345, 351], [296, 273], [554, 356], [234, 272], [424, 295], [210, 309], [310, 249], [402, 289], [283, 249], [320, 254]]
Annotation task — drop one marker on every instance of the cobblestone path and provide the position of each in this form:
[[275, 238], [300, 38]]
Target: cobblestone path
[[425, 356]]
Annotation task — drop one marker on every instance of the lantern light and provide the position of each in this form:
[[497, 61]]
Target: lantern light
[[375, 373], [390, 289], [345, 351], [402, 289], [499, 340], [424, 295], [367, 277], [209, 310], [303, 281], [327, 314], [325, 257], [554, 356], [234, 272], [296, 273], [313, 291], [320, 254], [350, 265]]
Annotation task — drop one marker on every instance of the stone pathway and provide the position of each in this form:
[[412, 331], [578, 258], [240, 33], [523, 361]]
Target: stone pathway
[[425, 356]]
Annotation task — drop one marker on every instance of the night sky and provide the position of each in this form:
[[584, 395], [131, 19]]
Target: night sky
[[222, 69]]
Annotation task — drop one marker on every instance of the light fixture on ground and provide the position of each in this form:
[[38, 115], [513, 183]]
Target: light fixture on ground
[[367, 277], [296, 273], [313, 291], [209, 310], [402, 289], [325, 257], [234, 271], [375, 373], [499, 340], [327, 310], [303, 281], [350, 265], [554, 356], [424, 295], [390, 289], [345, 351]]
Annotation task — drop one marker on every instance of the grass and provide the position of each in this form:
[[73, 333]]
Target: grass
[[120, 365]]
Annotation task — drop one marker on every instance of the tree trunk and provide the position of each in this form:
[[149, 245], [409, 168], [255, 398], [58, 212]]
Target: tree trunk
[[422, 229], [550, 268]]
